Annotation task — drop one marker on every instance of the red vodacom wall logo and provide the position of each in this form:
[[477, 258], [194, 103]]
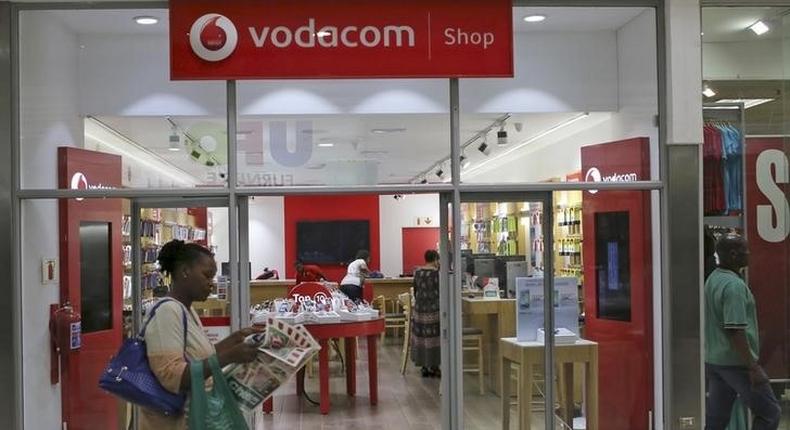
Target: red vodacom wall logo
[[213, 37]]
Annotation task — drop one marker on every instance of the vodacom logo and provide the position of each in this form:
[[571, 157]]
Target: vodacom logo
[[594, 175], [213, 37], [80, 182]]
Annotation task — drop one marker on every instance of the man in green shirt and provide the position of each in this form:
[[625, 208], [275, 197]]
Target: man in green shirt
[[732, 344]]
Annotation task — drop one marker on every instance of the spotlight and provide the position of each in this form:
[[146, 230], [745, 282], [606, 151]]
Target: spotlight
[[424, 181], [465, 162], [484, 148], [759, 28], [175, 141], [440, 172], [501, 136]]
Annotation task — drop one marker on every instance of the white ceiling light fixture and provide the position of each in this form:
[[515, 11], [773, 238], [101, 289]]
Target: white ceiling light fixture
[[146, 20], [708, 92], [759, 28], [538, 136], [747, 103], [326, 145], [534, 18], [388, 130]]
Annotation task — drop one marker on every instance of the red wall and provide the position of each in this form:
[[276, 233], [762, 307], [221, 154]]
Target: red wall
[[330, 208]]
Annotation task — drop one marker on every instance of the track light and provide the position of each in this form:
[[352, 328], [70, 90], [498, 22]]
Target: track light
[[759, 28], [465, 162], [424, 181], [440, 172], [484, 148], [501, 136], [175, 141]]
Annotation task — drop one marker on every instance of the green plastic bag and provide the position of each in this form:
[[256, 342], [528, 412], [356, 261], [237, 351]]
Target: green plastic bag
[[216, 409]]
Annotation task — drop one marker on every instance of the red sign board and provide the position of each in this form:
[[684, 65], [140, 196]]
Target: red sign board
[[284, 39], [768, 228]]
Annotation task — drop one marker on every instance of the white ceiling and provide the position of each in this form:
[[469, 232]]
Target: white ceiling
[[731, 24], [398, 156], [558, 19]]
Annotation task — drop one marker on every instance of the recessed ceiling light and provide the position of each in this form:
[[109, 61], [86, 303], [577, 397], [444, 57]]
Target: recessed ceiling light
[[146, 20], [534, 18], [326, 145], [759, 28], [707, 92]]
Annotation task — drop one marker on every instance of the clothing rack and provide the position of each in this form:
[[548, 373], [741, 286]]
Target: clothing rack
[[734, 212]]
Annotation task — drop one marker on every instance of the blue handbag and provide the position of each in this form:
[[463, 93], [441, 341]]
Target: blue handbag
[[129, 375]]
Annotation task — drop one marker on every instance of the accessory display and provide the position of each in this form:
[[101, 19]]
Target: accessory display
[[129, 375]]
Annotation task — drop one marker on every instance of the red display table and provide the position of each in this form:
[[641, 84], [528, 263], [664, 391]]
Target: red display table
[[349, 331]]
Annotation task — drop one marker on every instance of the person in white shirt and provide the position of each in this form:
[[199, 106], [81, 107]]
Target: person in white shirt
[[352, 283]]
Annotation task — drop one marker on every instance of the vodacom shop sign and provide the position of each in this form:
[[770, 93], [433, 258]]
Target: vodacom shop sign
[[282, 39]]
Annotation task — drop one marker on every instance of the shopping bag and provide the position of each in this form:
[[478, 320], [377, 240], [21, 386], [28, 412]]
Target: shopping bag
[[129, 375], [216, 409]]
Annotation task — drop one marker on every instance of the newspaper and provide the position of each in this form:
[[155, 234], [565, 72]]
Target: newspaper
[[284, 349]]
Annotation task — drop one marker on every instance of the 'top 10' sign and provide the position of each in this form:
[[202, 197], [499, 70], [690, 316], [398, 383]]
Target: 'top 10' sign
[[268, 39]]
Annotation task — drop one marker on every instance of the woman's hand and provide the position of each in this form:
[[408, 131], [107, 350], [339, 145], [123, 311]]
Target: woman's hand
[[232, 349]]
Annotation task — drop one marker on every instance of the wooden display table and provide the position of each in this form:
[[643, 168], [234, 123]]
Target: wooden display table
[[526, 355], [269, 289], [497, 319], [349, 331]]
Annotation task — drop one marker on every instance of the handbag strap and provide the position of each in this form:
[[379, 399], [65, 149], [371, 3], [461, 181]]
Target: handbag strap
[[151, 316]]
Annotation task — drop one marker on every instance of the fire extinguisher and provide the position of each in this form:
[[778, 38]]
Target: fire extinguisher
[[65, 328]]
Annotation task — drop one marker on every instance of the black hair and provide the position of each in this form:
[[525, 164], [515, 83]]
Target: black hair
[[298, 261], [431, 256], [726, 245], [176, 253], [363, 254]]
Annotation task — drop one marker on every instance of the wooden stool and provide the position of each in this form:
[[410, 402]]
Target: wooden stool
[[473, 341], [394, 321]]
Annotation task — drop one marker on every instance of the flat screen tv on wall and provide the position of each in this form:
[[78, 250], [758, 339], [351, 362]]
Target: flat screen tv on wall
[[331, 242]]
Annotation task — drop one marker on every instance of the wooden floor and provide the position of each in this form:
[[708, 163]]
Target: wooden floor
[[405, 402]]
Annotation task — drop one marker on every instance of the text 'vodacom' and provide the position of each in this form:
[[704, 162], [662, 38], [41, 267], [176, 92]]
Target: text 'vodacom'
[[328, 36]]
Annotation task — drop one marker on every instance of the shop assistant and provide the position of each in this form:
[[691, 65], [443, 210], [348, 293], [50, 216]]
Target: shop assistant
[[352, 283], [308, 273]]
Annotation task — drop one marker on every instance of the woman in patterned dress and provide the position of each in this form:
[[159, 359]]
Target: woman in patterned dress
[[425, 342]]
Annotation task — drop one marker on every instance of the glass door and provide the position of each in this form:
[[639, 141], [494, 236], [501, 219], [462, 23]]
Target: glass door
[[501, 300]]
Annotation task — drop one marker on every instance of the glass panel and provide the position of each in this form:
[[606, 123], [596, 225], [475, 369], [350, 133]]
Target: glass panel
[[343, 132], [745, 83], [99, 80], [95, 274], [583, 76], [503, 250], [72, 253]]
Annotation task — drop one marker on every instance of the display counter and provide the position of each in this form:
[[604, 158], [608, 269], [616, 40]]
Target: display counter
[[497, 319], [269, 289], [528, 355]]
